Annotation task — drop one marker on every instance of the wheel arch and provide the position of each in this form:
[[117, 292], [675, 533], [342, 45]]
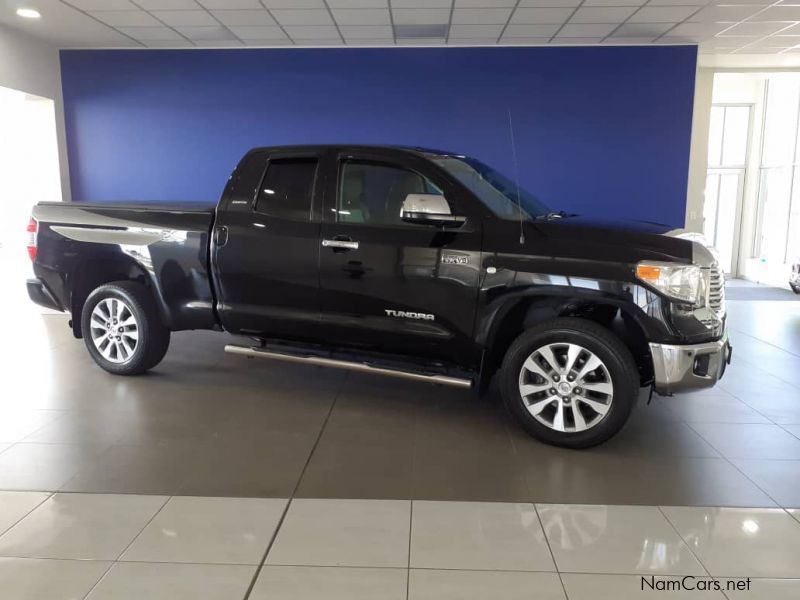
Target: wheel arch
[[93, 273], [506, 321]]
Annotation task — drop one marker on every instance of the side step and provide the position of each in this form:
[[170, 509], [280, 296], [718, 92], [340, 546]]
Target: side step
[[362, 367]]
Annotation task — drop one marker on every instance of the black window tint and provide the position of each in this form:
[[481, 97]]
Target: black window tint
[[374, 193], [242, 187], [287, 188]]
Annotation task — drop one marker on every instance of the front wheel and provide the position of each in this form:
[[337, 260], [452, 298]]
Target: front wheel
[[795, 288], [570, 382], [122, 328]]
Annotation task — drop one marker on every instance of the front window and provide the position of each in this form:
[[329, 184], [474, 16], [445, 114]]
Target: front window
[[500, 195], [373, 193]]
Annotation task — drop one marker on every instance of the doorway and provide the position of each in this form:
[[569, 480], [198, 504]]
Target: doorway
[[29, 173], [729, 135]]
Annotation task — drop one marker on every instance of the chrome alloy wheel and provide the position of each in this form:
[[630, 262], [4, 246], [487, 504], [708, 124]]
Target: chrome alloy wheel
[[566, 387], [115, 332]]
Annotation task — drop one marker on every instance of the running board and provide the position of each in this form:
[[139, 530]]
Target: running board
[[361, 367]]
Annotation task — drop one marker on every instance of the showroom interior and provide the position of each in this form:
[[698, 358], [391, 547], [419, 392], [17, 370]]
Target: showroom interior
[[216, 476]]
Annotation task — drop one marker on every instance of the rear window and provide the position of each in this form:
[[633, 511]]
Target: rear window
[[287, 189]]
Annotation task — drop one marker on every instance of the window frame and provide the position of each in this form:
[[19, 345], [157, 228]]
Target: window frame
[[313, 215], [382, 161]]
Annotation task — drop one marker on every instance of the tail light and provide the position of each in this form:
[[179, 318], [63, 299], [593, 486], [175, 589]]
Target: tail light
[[33, 228]]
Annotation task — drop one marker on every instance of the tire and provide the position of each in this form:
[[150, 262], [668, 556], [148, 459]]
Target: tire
[[141, 342], [795, 288], [603, 406]]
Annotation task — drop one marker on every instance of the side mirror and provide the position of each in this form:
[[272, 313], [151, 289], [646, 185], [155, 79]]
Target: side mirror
[[429, 209]]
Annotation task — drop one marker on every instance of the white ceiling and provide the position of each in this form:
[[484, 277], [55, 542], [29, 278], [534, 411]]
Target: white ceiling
[[728, 27]]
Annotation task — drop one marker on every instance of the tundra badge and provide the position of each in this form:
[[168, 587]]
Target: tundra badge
[[408, 315]]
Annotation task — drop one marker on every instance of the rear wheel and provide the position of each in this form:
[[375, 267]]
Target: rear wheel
[[570, 382], [122, 328]]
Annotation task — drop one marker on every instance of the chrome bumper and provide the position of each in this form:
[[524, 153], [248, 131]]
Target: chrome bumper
[[689, 367]]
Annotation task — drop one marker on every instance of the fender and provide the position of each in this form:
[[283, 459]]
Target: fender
[[633, 300]]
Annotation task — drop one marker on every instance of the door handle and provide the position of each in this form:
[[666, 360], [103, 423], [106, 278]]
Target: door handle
[[221, 235], [340, 244]]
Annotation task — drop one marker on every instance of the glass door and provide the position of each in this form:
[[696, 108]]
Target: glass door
[[729, 133]]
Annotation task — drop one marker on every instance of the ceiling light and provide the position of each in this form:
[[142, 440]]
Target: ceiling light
[[29, 13]]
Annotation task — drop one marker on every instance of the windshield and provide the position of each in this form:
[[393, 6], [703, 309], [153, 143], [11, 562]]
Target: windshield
[[496, 191]]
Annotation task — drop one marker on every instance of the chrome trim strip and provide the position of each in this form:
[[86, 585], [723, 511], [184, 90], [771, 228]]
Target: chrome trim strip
[[99, 235], [350, 366]]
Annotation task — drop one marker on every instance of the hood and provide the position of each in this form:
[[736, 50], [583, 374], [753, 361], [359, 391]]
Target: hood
[[629, 225], [614, 240]]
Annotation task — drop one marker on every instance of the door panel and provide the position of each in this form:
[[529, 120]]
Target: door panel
[[405, 288], [268, 282]]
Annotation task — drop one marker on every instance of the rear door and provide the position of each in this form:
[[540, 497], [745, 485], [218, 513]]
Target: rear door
[[266, 246], [389, 285]]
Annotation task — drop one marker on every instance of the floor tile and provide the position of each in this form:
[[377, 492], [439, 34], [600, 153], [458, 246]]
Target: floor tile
[[673, 439], [15, 505], [556, 475], [331, 583], [430, 584], [779, 405], [47, 579], [360, 458], [80, 526], [615, 539], [44, 466], [750, 440], [478, 535], [165, 581], [259, 464], [15, 425], [740, 542], [208, 530], [158, 468], [720, 408], [764, 589], [358, 533], [583, 586], [465, 453], [778, 478]]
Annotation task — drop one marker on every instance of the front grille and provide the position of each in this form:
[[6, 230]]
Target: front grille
[[716, 290]]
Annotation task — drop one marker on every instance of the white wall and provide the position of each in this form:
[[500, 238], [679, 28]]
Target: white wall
[[32, 66]]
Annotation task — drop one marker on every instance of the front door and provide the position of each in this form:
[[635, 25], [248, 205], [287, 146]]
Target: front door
[[389, 285], [266, 247]]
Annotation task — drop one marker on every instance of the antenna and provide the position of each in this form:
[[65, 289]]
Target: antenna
[[516, 177]]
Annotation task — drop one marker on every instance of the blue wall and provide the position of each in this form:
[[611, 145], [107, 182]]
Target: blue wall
[[600, 130]]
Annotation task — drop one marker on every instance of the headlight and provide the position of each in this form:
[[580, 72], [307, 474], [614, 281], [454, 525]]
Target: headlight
[[680, 282]]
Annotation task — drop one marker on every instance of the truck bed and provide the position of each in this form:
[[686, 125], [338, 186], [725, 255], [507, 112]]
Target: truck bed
[[167, 246]]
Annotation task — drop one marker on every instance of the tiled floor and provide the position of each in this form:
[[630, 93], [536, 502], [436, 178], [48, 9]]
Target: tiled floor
[[209, 424], [174, 548], [216, 477]]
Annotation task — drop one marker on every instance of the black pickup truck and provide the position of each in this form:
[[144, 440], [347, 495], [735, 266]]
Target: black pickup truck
[[405, 262]]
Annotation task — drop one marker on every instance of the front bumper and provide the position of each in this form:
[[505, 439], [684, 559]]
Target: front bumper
[[38, 292], [689, 367]]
